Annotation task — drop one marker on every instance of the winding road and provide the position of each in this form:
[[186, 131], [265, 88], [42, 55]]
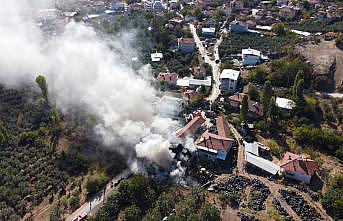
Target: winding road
[[215, 65]]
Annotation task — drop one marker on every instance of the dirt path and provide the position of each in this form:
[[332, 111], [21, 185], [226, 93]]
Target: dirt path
[[240, 157]]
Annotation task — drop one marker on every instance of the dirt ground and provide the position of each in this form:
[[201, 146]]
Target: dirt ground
[[321, 56]]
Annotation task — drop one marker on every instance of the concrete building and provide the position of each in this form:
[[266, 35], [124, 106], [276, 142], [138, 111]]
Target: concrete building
[[208, 32], [228, 80], [190, 82], [251, 57]]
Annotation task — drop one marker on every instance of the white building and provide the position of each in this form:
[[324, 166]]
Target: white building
[[208, 32], [228, 80], [156, 57], [285, 103], [190, 82], [251, 57]]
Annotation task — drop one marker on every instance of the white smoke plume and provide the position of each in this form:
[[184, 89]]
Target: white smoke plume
[[81, 69]]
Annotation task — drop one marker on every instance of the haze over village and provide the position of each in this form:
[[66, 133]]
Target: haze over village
[[171, 110]]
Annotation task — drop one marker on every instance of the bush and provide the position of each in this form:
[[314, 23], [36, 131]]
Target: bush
[[323, 140], [132, 213], [275, 148], [209, 213], [95, 184], [333, 198]]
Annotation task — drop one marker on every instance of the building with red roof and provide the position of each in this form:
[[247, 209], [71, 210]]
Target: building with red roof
[[255, 109], [298, 167], [191, 127], [167, 77], [215, 146]]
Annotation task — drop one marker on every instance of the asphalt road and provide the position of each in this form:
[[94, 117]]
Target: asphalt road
[[215, 66]]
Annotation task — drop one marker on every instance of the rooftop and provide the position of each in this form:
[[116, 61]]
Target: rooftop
[[250, 51], [297, 163], [285, 103], [191, 127], [229, 74]]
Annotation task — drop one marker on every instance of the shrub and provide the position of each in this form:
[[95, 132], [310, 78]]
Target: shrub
[[132, 213], [333, 198]]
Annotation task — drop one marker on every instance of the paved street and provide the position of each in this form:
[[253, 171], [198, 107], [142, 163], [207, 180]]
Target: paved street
[[215, 66]]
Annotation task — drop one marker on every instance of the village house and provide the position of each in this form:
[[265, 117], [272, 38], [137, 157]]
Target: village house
[[208, 32], [214, 147], [254, 108], [171, 78], [251, 57], [238, 26], [186, 45], [192, 127], [228, 80], [298, 167], [192, 83]]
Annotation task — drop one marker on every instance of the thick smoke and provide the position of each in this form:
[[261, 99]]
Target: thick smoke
[[81, 69]]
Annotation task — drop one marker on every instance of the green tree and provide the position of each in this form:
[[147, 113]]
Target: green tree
[[298, 77], [333, 198], [244, 108], [40, 80], [56, 128], [4, 137], [252, 92], [299, 96], [209, 213], [132, 213], [265, 98], [279, 29]]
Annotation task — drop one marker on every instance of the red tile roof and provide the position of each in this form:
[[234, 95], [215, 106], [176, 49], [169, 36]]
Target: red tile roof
[[167, 76], [191, 127], [215, 142], [297, 163], [254, 106], [222, 127], [191, 94]]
